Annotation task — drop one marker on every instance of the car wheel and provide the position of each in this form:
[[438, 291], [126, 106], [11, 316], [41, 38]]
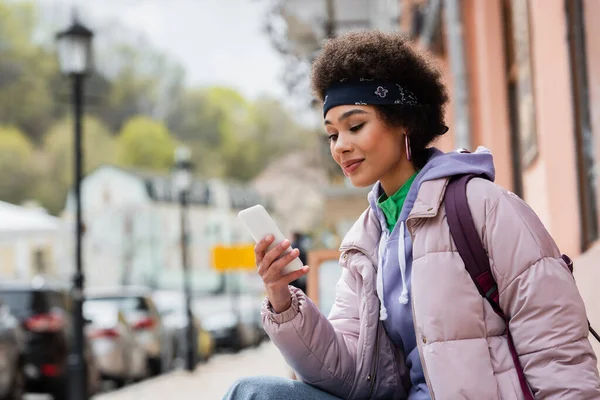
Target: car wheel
[[203, 357], [59, 391], [155, 366], [119, 383], [236, 345]]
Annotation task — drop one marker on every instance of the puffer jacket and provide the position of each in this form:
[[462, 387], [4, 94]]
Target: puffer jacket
[[462, 342]]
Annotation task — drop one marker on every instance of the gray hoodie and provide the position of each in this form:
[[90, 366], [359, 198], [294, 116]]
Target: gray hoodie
[[395, 256]]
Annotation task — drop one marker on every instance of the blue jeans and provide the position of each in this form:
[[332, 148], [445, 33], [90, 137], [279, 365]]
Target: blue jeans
[[274, 388]]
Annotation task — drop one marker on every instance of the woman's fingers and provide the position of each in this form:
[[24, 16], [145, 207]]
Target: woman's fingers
[[261, 248], [272, 255], [280, 264], [292, 276]]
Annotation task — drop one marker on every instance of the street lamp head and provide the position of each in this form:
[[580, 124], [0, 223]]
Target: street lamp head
[[182, 171], [183, 154], [74, 47]]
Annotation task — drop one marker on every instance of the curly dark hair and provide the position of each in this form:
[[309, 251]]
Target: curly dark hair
[[392, 57]]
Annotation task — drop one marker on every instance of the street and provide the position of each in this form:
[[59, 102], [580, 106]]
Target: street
[[211, 380]]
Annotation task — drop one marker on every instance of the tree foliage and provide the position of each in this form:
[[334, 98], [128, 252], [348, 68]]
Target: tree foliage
[[27, 72], [137, 111], [55, 160], [145, 143], [16, 153]]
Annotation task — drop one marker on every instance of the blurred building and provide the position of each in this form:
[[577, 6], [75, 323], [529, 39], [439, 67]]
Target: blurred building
[[524, 81], [524, 78], [31, 243], [133, 227], [307, 24], [294, 182]]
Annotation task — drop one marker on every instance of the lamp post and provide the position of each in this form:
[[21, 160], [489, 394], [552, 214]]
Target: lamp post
[[182, 181], [74, 47]]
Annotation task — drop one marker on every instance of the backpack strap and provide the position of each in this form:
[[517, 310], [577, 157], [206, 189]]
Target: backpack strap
[[475, 258]]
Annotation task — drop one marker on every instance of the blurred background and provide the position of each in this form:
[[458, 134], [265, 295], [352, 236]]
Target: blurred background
[[129, 143]]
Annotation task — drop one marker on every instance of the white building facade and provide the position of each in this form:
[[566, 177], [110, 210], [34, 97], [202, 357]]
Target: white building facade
[[32, 242], [133, 228]]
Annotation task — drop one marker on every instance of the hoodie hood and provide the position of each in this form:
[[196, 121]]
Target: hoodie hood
[[439, 165]]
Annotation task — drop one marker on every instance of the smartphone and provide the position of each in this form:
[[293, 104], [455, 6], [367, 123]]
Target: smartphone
[[260, 224]]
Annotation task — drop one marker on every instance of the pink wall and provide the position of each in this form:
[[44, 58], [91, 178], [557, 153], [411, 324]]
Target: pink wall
[[446, 142], [551, 182], [592, 31], [488, 89]]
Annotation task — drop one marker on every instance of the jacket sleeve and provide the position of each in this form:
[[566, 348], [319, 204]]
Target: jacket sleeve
[[538, 293], [322, 352]]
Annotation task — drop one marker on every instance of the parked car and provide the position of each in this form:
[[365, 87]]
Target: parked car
[[247, 295], [121, 358], [171, 306], [139, 310], [228, 329], [12, 381], [43, 311]]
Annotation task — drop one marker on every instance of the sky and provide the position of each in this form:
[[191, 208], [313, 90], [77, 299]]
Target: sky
[[218, 42]]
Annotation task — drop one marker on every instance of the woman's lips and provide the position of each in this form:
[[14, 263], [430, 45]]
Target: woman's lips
[[350, 168]]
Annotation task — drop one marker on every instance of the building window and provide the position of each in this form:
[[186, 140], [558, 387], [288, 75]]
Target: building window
[[521, 76], [39, 262], [426, 25], [582, 123], [520, 88]]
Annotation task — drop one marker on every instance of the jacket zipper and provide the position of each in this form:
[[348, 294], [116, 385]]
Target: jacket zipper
[[372, 376], [374, 365], [417, 333], [373, 370], [420, 349]]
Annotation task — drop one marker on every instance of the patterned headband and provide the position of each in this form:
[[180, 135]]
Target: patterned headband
[[367, 91]]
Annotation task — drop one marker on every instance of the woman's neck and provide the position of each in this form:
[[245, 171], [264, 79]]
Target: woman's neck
[[396, 178]]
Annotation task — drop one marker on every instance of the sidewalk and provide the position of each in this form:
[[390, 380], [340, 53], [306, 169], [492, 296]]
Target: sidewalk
[[210, 381]]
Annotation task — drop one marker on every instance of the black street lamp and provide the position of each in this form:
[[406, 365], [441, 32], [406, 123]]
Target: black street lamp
[[75, 58], [182, 181]]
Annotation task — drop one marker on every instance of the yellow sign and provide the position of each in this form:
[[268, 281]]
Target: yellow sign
[[240, 257]]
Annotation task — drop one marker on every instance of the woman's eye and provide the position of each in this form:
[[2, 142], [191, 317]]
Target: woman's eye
[[357, 128], [332, 138]]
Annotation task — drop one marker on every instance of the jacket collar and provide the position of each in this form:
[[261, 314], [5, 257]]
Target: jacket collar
[[363, 236], [366, 231], [429, 199]]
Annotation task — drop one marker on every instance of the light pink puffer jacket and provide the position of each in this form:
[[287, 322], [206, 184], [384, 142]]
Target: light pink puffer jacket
[[461, 340]]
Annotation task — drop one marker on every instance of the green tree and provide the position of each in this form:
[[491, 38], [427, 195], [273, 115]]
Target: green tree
[[55, 163], [267, 133], [209, 121], [145, 143], [27, 72], [16, 153], [232, 137], [142, 80]]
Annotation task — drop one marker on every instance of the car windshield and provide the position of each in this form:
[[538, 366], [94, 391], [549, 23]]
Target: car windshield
[[169, 303], [101, 313], [126, 303], [24, 303]]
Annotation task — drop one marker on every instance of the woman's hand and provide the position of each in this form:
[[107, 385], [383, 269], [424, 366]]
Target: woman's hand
[[270, 267]]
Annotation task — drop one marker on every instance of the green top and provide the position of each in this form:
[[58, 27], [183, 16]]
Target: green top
[[392, 206]]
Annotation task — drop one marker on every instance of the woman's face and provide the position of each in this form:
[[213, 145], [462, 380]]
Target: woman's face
[[364, 146]]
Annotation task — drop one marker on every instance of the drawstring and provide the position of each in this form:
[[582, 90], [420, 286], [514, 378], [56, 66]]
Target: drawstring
[[382, 310], [403, 299]]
